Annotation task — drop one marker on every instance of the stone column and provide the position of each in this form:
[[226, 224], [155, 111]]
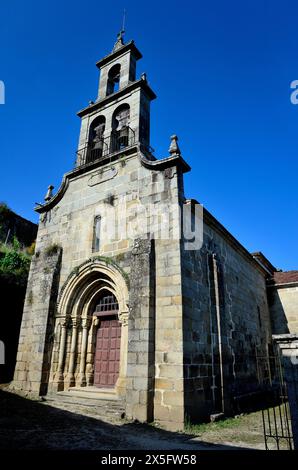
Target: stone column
[[121, 382], [141, 334], [90, 351], [61, 358], [85, 324], [288, 346], [73, 348]]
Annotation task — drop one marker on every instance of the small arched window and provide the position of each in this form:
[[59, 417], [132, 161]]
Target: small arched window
[[96, 233], [113, 79], [96, 142], [106, 302], [120, 127]]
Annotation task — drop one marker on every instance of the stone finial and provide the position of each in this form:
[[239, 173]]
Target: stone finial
[[49, 194], [174, 147], [119, 43], [144, 77]]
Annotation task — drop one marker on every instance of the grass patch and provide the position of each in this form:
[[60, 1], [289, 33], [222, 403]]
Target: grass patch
[[52, 250], [244, 430], [199, 429]]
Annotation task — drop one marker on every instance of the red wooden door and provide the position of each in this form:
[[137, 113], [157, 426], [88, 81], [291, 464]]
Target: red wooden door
[[107, 354]]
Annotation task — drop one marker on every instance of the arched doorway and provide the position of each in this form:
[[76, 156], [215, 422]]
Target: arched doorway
[[93, 305], [108, 341]]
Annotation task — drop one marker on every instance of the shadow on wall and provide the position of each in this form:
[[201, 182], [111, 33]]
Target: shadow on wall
[[279, 320]]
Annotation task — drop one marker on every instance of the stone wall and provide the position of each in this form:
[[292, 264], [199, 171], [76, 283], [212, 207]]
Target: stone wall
[[141, 334], [284, 308], [226, 319]]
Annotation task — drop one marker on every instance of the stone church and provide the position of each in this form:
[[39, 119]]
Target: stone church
[[136, 293]]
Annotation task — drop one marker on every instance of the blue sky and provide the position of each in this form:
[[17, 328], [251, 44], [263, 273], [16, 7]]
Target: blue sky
[[222, 72]]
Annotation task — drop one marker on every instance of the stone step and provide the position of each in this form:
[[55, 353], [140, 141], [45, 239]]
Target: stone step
[[90, 394], [87, 403]]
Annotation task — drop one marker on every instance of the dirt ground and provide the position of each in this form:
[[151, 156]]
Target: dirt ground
[[29, 424]]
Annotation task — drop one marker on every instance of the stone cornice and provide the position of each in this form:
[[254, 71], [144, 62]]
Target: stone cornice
[[210, 220], [143, 84], [285, 338], [286, 285], [80, 171], [130, 46], [159, 165]]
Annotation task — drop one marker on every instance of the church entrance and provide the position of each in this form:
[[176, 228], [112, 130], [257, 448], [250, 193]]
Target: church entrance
[[108, 339]]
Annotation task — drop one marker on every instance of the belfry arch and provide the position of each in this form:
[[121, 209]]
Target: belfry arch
[[77, 340]]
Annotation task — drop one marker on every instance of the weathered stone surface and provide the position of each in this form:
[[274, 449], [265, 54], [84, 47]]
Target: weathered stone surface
[[35, 349], [142, 275]]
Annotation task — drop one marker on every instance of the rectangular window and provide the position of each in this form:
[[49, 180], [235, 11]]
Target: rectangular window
[[96, 234]]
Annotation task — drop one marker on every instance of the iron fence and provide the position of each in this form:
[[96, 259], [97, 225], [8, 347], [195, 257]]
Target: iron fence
[[276, 417]]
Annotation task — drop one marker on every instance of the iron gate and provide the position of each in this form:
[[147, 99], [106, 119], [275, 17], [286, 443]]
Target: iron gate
[[276, 417]]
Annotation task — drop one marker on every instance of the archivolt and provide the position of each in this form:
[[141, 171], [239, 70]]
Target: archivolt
[[91, 277]]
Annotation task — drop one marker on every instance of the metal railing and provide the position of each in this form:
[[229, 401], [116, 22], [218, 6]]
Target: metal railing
[[276, 416], [116, 142]]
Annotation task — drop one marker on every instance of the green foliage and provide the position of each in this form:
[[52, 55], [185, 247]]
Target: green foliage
[[4, 213], [198, 429], [16, 244], [105, 259], [120, 257], [14, 262], [30, 298], [4, 210]]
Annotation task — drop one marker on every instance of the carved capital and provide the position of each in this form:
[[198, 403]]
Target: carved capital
[[75, 322], [64, 322], [123, 318], [86, 322]]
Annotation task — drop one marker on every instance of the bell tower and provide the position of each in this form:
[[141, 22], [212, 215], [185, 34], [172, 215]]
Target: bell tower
[[119, 119]]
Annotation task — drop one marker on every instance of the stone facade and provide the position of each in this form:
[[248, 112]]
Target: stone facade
[[226, 322], [191, 319], [36, 335]]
